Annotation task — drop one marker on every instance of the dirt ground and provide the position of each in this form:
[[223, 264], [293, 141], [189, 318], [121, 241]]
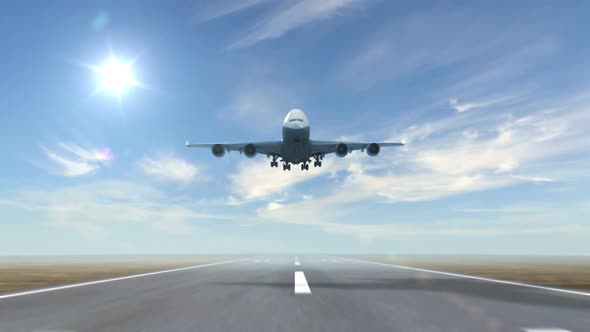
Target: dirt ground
[[555, 271], [18, 273]]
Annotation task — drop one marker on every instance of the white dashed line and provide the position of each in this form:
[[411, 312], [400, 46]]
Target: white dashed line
[[115, 279], [543, 329], [301, 286], [323, 260], [297, 263], [333, 261]]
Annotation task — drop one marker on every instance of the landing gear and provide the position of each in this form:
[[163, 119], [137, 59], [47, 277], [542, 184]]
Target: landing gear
[[274, 162], [318, 160], [304, 164]]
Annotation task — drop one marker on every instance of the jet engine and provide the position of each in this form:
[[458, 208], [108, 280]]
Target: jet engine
[[250, 150], [342, 150], [373, 149], [218, 150]]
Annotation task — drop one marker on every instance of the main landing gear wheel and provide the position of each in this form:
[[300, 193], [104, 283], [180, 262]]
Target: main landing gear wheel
[[305, 167], [274, 162], [318, 160], [286, 167]]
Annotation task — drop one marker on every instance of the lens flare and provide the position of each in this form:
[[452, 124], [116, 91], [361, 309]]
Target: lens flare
[[104, 154]]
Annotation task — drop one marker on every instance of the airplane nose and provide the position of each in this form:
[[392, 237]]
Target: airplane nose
[[297, 125], [296, 119]]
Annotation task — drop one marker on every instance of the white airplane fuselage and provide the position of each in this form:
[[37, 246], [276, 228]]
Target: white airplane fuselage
[[296, 146]]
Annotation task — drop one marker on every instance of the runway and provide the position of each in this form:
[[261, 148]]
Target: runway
[[296, 293]]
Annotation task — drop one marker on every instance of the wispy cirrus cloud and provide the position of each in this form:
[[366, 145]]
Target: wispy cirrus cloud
[[466, 106], [73, 160], [169, 167], [413, 45], [291, 16], [219, 9]]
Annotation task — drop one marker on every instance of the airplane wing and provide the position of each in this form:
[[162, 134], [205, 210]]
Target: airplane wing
[[326, 147], [266, 148]]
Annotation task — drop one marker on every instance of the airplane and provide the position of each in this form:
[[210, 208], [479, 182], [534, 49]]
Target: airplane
[[296, 146]]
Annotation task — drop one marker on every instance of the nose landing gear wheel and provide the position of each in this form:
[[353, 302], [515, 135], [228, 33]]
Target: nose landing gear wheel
[[305, 167], [317, 164]]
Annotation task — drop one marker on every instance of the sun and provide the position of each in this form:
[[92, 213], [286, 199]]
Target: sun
[[116, 76]]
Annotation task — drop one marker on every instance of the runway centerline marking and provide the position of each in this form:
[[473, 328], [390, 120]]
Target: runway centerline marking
[[89, 283], [498, 281], [297, 263], [529, 329], [301, 286]]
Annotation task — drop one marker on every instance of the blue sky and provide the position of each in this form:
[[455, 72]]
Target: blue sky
[[491, 98]]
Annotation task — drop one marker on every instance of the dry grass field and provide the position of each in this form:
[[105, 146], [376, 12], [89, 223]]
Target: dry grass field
[[18, 273], [554, 271]]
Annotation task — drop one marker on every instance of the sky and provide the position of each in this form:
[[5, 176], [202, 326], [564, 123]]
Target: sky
[[492, 99]]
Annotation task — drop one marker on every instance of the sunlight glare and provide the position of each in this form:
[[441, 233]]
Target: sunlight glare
[[115, 76]]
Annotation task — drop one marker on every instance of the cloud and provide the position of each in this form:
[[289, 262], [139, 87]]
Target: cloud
[[90, 155], [255, 180], [335, 215], [439, 162], [169, 167], [291, 17], [501, 150], [223, 8], [413, 45], [470, 134], [536, 179], [463, 107], [76, 161], [96, 207], [511, 226]]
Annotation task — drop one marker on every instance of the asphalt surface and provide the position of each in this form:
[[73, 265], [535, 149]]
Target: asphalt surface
[[258, 294]]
